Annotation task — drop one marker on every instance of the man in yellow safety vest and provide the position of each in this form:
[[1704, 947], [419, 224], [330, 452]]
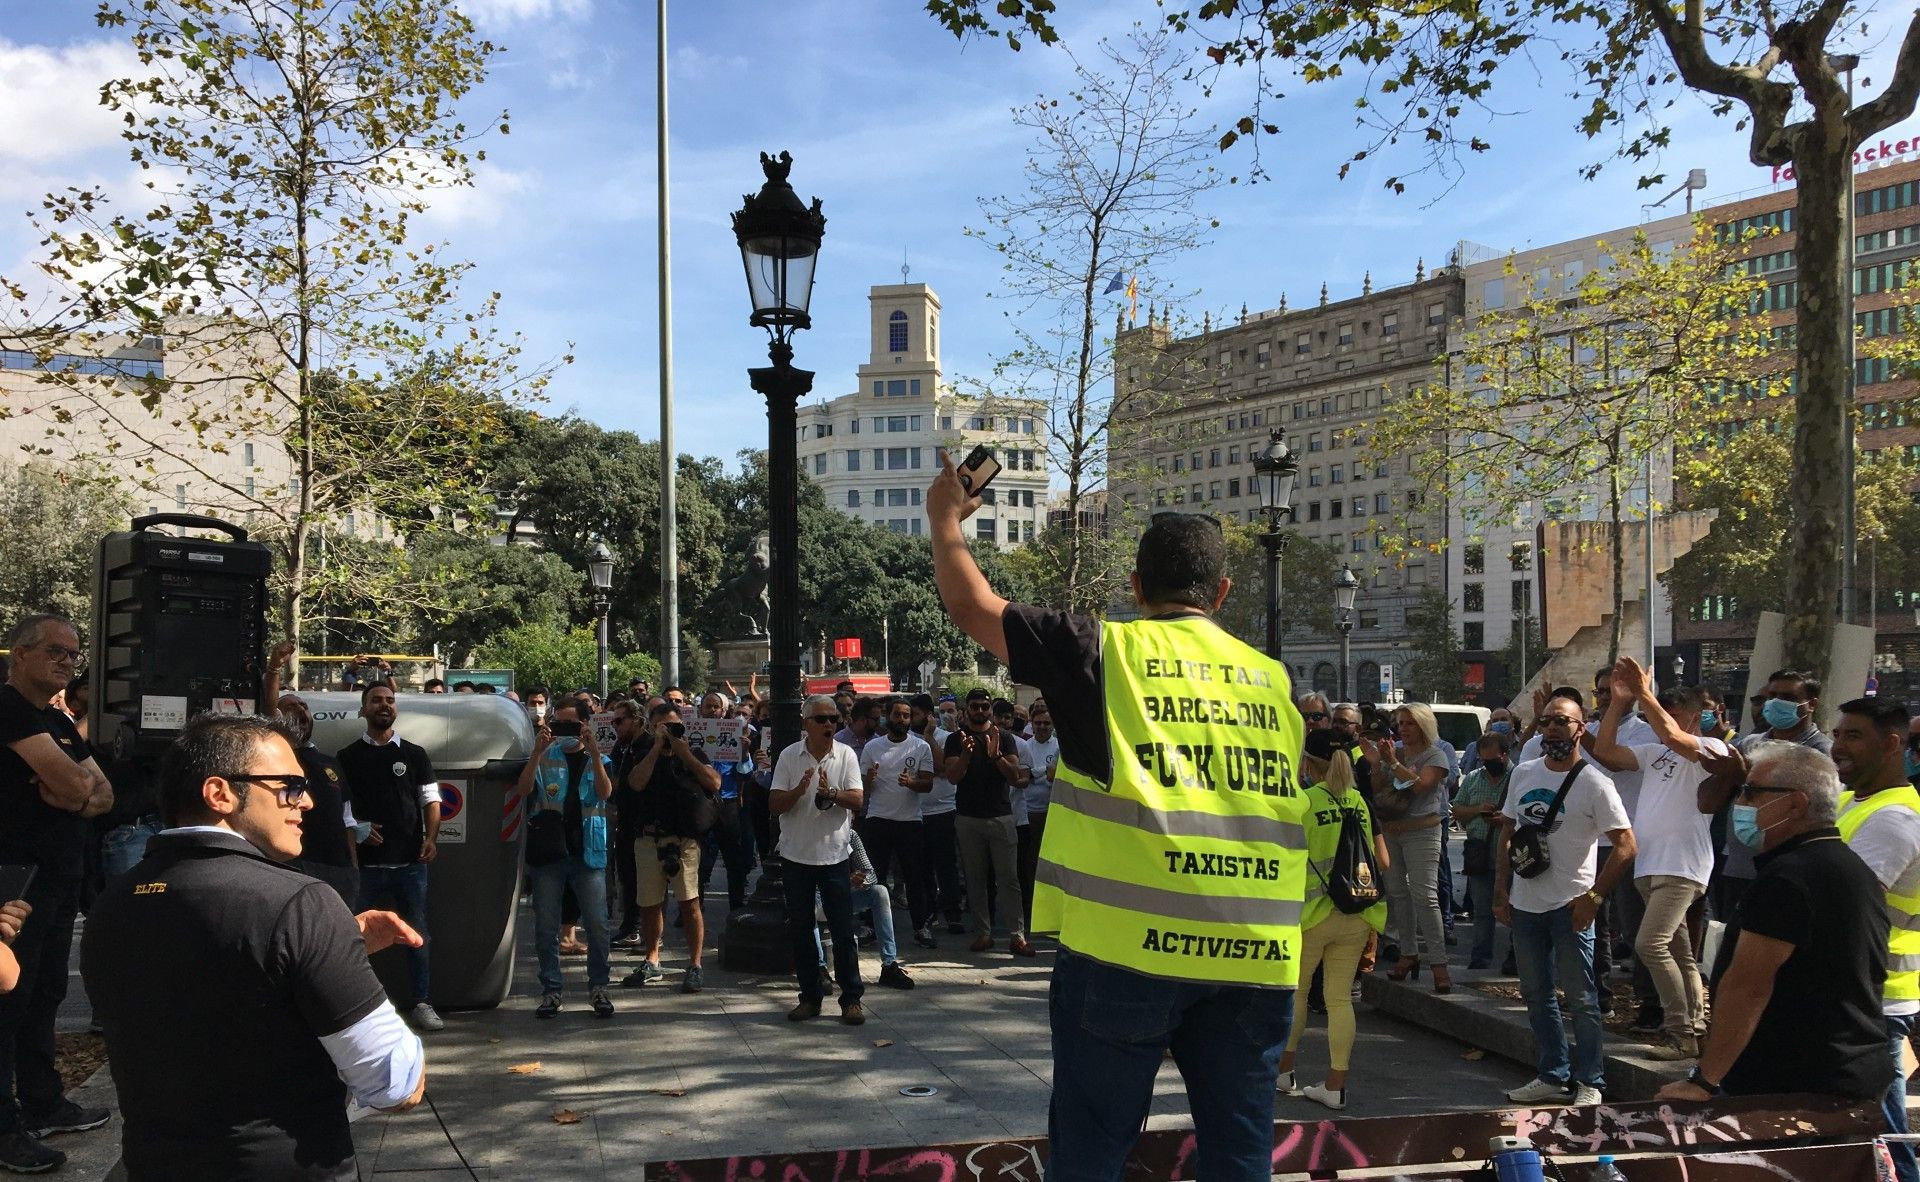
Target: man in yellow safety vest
[[1173, 866]]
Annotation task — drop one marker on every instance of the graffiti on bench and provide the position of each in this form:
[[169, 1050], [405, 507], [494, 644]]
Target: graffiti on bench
[[1319, 1147]]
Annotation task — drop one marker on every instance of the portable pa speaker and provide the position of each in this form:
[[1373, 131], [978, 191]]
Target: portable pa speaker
[[179, 628]]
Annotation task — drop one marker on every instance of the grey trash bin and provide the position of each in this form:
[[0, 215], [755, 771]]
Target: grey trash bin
[[478, 743]]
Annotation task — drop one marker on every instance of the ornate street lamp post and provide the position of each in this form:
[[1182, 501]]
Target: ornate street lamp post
[[1345, 587], [1274, 471], [779, 237], [600, 570]]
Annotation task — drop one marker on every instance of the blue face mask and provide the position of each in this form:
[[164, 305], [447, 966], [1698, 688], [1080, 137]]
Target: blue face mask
[[1781, 714], [1747, 830], [1709, 719], [1500, 728]]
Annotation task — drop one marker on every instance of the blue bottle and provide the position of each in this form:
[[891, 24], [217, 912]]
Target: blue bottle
[[1515, 1160]]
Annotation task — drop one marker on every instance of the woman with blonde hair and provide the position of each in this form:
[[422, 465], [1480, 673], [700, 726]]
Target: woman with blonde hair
[[1410, 797], [1330, 939]]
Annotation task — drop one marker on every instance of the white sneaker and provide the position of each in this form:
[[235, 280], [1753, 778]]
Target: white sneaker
[[1322, 1094], [426, 1018], [1287, 1085], [1539, 1091], [1586, 1096]]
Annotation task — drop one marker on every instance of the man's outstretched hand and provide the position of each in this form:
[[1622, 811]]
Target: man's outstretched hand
[[948, 499], [384, 929]]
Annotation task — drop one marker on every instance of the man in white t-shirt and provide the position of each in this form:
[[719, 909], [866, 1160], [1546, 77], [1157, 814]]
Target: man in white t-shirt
[[1552, 914], [1675, 849], [937, 814], [815, 793], [897, 768], [1038, 757]]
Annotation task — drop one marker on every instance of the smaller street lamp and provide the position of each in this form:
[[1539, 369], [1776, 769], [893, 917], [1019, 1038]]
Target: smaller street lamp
[[1274, 471], [1345, 588], [600, 571]]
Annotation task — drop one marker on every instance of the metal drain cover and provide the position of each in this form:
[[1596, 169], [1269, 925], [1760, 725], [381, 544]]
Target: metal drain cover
[[919, 1091]]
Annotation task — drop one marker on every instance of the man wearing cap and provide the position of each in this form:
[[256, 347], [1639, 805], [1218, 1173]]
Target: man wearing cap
[[1177, 750]]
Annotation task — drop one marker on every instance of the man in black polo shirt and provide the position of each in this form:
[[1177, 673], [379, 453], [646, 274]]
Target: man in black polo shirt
[[1796, 1005], [49, 785], [983, 761], [235, 994], [393, 787], [327, 851]]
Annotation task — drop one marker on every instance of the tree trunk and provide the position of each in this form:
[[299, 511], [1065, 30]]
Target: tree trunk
[[1618, 545], [1817, 493]]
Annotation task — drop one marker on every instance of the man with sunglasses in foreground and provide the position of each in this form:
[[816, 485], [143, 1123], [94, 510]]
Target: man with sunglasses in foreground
[[1796, 1007], [1174, 863], [234, 992], [816, 791]]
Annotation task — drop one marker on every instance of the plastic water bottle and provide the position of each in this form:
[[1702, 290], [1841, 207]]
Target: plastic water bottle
[[1515, 1159], [1605, 1171]]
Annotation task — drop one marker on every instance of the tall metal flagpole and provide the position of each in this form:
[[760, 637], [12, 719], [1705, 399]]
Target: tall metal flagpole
[[669, 499]]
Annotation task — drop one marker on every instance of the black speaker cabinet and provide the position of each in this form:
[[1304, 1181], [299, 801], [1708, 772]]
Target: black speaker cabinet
[[179, 628]]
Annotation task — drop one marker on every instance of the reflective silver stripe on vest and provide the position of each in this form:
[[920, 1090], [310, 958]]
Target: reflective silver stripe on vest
[[1131, 896], [1903, 920], [1177, 823], [1323, 869], [1903, 964]]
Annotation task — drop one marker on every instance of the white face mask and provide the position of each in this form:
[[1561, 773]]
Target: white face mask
[[539, 711]]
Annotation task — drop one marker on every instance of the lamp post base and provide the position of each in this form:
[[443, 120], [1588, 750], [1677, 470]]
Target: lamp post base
[[756, 939]]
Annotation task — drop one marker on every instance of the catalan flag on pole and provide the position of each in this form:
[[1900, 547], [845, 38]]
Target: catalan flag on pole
[[1133, 298]]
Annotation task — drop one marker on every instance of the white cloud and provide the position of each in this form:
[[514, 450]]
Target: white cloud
[[502, 12], [52, 98], [486, 202]]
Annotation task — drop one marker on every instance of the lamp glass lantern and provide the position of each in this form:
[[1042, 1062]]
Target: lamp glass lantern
[[600, 568], [1274, 471], [1345, 588], [779, 240]]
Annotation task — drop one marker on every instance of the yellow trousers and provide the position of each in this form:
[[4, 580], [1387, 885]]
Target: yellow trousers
[[1334, 946]]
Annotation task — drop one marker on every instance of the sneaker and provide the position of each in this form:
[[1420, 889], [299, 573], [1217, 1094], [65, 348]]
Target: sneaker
[[1323, 1095], [427, 1018], [853, 1014], [1539, 1091], [625, 938], [23, 1154], [602, 1004], [1587, 1096], [648, 971], [549, 1006], [924, 938], [694, 980], [803, 1011], [1286, 1085], [1673, 1047], [1650, 1019], [895, 977], [68, 1118]]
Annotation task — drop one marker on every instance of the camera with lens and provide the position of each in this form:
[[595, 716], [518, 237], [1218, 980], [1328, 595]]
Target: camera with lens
[[670, 858]]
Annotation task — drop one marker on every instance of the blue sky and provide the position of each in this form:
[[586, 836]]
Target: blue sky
[[899, 129]]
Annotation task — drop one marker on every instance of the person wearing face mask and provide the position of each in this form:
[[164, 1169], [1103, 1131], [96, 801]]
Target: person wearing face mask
[[566, 779], [1477, 808], [1879, 819], [1796, 998], [1786, 711], [537, 704]]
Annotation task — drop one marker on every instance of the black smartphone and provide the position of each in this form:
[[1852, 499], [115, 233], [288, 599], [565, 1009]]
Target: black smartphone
[[566, 728], [14, 881], [978, 469]]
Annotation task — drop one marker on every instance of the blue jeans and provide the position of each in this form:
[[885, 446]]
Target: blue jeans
[[1894, 1103], [877, 897], [1480, 894], [835, 888], [407, 887], [589, 884], [1548, 951], [124, 845], [1111, 1028]]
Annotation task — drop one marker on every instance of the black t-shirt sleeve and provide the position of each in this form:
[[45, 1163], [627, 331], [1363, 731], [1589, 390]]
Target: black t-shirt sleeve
[[422, 766], [954, 745], [18, 718], [326, 961], [1060, 653], [1778, 906]]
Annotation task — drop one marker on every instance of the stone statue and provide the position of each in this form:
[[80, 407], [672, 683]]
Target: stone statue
[[745, 594]]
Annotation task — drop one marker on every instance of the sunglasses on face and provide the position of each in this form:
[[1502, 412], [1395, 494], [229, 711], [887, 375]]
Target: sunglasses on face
[[825, 719], [1314, 715], [289, 790], [1750, 791], [1556, 720]]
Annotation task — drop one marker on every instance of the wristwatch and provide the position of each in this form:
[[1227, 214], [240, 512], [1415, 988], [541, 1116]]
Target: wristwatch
[[1594, 899], [1700, 1081]]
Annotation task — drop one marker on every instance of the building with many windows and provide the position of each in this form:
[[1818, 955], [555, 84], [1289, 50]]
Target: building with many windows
[[1195, 410], [874, 451]]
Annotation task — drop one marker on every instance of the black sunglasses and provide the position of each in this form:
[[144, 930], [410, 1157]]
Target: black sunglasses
[[824, 718], [292, 789], [1314, 716], [1749, 791]]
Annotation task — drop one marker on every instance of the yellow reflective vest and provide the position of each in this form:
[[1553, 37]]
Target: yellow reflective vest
[[1326, 814], [1903, 942], [1191, 863]]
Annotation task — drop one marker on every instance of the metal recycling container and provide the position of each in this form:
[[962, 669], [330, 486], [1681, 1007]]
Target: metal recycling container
[[478, 744]]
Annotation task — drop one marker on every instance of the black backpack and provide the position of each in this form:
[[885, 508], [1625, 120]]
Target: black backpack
[[1354, 884]]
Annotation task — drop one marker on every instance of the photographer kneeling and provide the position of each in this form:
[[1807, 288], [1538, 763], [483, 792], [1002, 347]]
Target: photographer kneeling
[[677, 788]]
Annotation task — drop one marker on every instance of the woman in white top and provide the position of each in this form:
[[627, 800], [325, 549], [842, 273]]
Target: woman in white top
[[1410, 795]]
